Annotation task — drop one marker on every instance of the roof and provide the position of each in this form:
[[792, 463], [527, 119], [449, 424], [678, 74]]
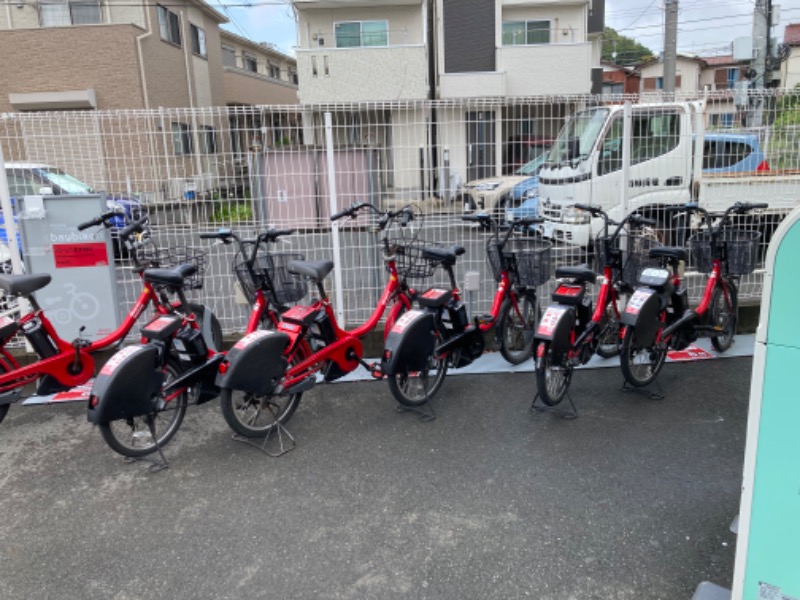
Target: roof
[[264, 47], [725, 59], [658, 59], [791, 34]]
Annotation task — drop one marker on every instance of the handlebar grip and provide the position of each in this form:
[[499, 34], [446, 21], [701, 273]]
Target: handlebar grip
[[594, 210], [273, 234], [759, 205], [640, 220], [342, 213], [473, 218], [209, 236], [528, 220], [98, 220]]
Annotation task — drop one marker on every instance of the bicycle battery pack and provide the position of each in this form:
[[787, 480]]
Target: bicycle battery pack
[[642, 312], [255, 364], [409, 343], [161, 327], [128, 385]]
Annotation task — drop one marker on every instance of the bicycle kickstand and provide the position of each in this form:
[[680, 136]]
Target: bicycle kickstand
[[155, 465], [540, 407], [280, 428]]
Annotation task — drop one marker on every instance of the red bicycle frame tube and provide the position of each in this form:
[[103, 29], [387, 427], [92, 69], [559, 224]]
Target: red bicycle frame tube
[[606, 295], [499, 297], [713, 278], [57, 366], [339, 350]]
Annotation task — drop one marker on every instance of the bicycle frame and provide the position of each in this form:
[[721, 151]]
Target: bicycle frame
[[346, 350], [59, 365]]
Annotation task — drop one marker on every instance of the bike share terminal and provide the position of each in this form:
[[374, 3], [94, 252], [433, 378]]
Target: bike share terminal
[[768, 547]]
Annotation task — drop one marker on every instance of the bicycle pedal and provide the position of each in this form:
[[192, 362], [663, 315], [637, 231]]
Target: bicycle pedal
[[375, 371]]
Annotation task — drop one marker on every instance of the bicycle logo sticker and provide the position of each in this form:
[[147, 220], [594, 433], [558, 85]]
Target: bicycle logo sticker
[[637, 301], [548, 323], [81, 306]]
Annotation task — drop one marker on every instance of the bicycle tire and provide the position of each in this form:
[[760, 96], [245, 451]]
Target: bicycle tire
[[552, 380], [640, 364], [242, 411], [413, 389], [516, 330], [126, 436], [609, 341], [3, 411], [724, 314]]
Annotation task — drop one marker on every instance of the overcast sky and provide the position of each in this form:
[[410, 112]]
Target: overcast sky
[[705, 27]]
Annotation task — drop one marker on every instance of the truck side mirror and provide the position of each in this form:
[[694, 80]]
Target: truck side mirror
[[573, 147]]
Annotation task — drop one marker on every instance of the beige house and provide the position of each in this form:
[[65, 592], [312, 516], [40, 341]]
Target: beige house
[[399, 53], [790, 68]]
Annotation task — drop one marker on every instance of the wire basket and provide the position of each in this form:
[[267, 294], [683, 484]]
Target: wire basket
[[629, 257], [149, 256], [528, 260], [410, 262], [740, 246], [271, 269]]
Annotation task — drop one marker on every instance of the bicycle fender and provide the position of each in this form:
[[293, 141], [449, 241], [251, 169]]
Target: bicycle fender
[[255, 364], [409, 344], [128, 385], [643, 312], [556, 327]]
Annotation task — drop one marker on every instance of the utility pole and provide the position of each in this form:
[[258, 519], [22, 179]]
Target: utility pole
[[670, 45], [761, 30]]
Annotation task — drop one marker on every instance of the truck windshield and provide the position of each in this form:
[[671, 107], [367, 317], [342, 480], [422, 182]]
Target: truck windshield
[[586, 127]]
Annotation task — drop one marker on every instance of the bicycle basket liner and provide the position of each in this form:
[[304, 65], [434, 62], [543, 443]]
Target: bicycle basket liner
[[409, 260], [741, 246], [286, 287], [528, 260], [165, 258]]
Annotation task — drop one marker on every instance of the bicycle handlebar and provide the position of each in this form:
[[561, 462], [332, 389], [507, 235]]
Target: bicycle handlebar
[[136, 227], [98, 220]]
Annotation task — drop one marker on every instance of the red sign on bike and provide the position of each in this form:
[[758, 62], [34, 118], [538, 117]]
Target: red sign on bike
[[87, 254], [550, 319]]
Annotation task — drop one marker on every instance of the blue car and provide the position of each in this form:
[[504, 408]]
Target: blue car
[[722, 153], [40, 179]]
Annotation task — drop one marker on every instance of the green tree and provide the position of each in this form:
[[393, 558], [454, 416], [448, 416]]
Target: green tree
[[628, 51]]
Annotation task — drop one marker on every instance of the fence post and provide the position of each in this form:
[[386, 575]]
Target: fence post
[[8, 214], [333, 204], [627, 130]]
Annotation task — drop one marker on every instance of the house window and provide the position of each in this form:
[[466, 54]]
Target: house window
[[250, 63], [57, 13], [274, 71], [526, 33], [354, 34], [198, 41], [208, 139], [169, 24], [725, 79], [293, 77], [181, 140], [228, 56]]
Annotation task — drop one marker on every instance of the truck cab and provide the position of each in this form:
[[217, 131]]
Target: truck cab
[[650, 146]]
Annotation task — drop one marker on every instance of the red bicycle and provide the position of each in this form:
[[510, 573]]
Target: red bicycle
[[658, 318], [265, 374], [426, 342], [63, 370], [141, 395]]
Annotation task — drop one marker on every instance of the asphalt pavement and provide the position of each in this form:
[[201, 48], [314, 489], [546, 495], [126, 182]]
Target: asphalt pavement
[[633, 499]]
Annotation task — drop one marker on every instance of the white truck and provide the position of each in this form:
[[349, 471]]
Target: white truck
[[625, 158]]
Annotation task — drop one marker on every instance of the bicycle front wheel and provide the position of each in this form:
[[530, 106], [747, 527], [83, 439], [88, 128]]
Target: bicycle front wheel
[[609, 339], [517, 326], [552, 377], [254, 416], [415, 388], [640, 364], [724, 309], [134, 437]]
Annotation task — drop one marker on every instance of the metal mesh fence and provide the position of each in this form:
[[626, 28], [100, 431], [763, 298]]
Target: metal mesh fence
[[250, 167]]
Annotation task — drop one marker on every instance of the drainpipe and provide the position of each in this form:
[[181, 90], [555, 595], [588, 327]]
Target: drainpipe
[[139, 39]]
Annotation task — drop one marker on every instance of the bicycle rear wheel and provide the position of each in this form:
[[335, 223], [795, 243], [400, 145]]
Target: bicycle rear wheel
[[552, 377], [254, 416], [640, 364], [133, 436], [517, 328], [415, 388], [609, 339], [724, 309]]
